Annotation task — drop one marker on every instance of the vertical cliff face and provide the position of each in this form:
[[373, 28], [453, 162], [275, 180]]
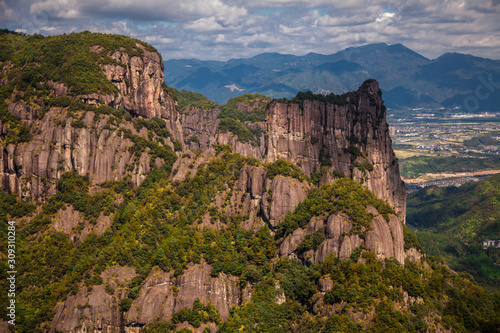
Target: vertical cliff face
[[203, 128], [162, 295], [140, 81], [349, 136], [32, 168], [345, 135], [87, 142], [385, 238]]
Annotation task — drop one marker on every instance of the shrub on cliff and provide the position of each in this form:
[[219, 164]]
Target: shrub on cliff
[[345, 195], [285, 168], [234, 126], [256, 102], [16, 131], [67, 59]]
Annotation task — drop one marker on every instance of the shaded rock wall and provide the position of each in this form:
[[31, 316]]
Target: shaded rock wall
[[73, 223], [200, 129], [324, 132], [262, 200], [33, 168], [95, 310], [350, 137], [140, 81]]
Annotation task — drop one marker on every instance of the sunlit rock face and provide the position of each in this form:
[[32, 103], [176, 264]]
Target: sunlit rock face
[[33, 168], [351, 137]]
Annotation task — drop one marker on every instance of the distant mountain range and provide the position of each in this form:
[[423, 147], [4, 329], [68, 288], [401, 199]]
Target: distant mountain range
[[407, 79]]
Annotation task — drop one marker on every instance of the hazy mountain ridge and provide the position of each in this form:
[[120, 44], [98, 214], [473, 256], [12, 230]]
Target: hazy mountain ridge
[[408, 79]]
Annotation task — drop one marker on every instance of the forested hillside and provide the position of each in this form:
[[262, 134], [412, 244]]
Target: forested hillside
[[453, 223], [139, 208]]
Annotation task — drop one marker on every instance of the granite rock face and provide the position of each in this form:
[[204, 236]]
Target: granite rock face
[[160, 297], [286, 194], [351, 137], [384, 238], [201, 130], [73, 223], [348, 136], [95, 310], [140, 81], [32, 168]]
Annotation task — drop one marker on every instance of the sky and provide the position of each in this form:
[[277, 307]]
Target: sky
[[225, 29]]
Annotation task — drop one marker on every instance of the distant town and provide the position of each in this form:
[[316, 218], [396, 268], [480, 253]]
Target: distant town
[[422, 133]]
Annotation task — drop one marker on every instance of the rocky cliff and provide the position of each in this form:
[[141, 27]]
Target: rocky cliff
[[141, 85], [69, 138], [283, 215], [202, 127], [349, 136], [344, 136], [160, 297]]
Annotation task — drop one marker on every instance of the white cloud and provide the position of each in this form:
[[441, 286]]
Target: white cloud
[[204, 24], [293, 31], [220, 38], [385, 17], [221, 29], [301, 3], [168, 10], [158, 40]]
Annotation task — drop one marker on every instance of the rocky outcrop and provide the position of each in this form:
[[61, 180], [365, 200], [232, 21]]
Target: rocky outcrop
[[140, 81], [33, 168], [223, 291], [282, 196], [384, 238], [350, 136], [95, 309], [243, 148], [83, 142], [73, 223], [201, 130], [199, 127], [262, 200], [161, 296]]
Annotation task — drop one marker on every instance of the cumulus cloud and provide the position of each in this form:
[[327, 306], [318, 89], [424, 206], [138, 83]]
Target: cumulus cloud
[[205, 24], [221, 29], [385, 17]]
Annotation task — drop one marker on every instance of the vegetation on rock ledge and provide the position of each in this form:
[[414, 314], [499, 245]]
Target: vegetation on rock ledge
[[344, 195]]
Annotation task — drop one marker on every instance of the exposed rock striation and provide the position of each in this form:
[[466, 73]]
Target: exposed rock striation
[[74, 224], [91, 147], [140, 81], [97, 309], [201, 130], [350, 136], [385, 239], [160, 297], [32, 168]]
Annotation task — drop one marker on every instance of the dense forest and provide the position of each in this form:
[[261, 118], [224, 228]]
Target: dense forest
[[153, 226], [453, 223]]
